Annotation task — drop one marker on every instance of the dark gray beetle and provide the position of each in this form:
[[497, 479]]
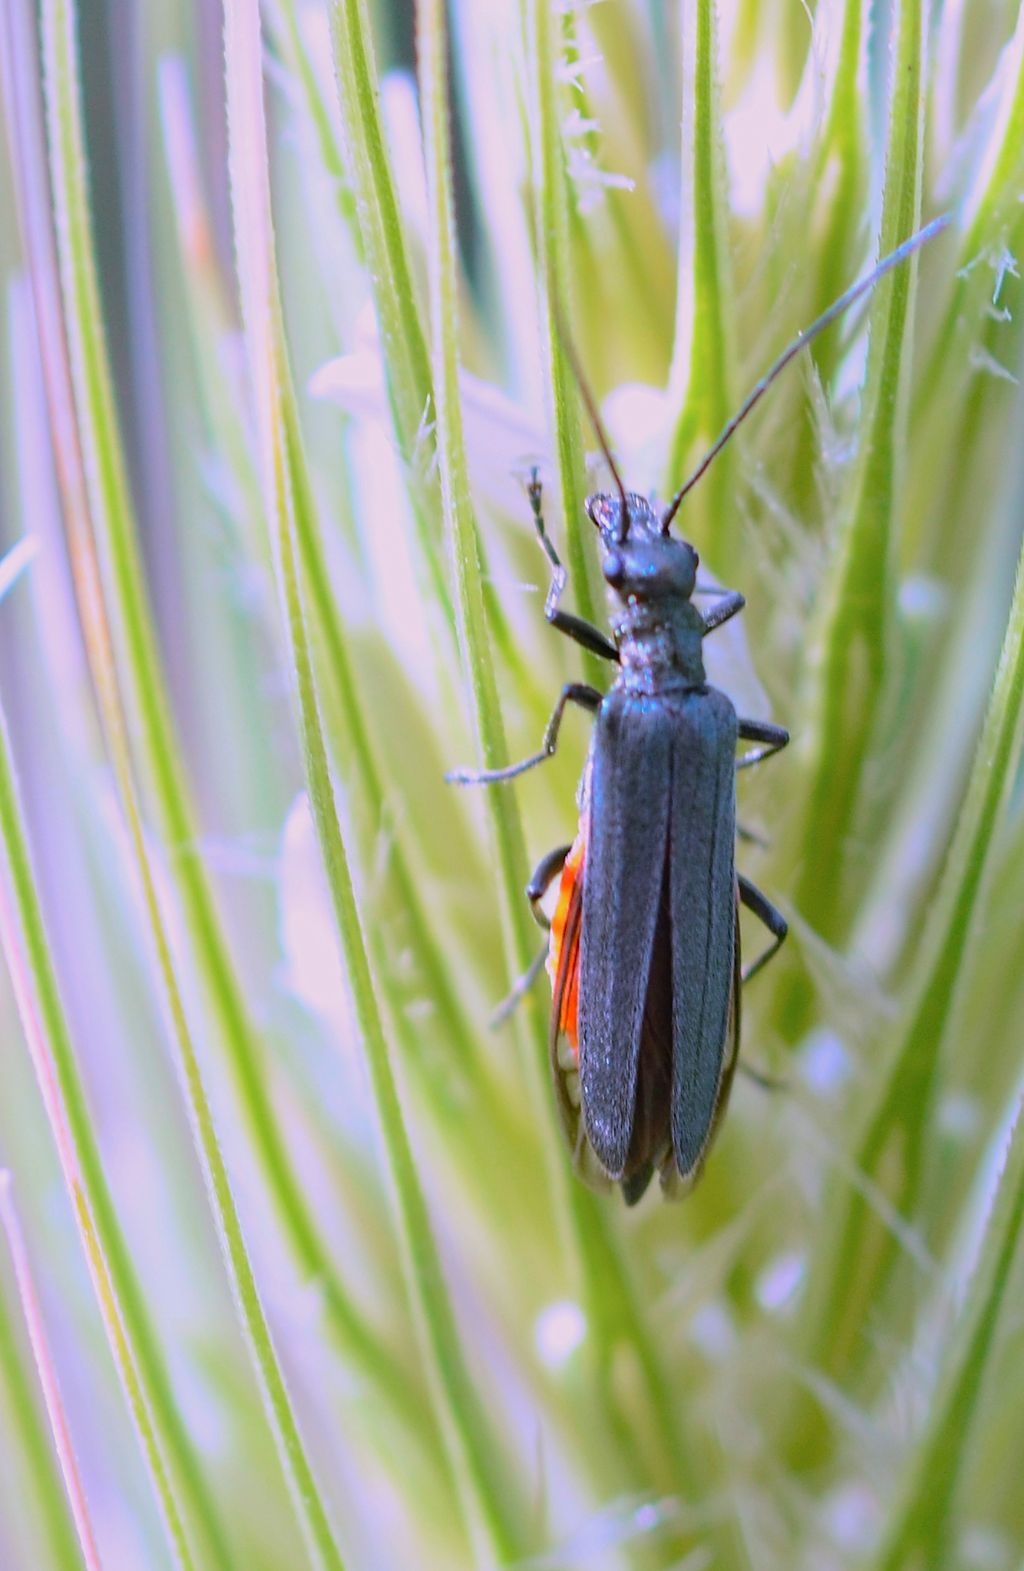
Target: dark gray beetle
[[644, 952]]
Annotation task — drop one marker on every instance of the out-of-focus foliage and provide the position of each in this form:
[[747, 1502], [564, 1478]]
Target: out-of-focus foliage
[[294, 1269]]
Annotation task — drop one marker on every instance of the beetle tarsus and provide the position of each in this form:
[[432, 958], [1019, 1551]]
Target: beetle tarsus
[[519, 990], [572, 693]]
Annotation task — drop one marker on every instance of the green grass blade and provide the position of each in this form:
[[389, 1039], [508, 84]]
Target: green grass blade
[[403, 342], [474, 1461], [356, 756], [129, 1315], [554, 269], [111, 506], [319, 118], [477, 1459], [701, 377], [857, 1250], [918, 1533], [990, 210], [147, 1390], [22, 1418], [838, 182], [859, 604], [145, 692], [47, 1375]]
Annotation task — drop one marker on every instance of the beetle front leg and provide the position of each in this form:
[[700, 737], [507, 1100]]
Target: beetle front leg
[[572, 693], [729, 606], [572, 626]]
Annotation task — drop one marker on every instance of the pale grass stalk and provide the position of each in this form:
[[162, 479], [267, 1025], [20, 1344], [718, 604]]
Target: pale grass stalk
[[12, 929], [481, 1481], [111, 500], [47, 1371]]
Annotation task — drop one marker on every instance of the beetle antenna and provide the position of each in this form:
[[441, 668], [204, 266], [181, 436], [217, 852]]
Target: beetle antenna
[[801, 340], [590, 404]]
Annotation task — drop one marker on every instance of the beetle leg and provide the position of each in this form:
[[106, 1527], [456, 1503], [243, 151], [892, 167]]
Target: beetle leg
[[758, 1078], [572, 626], [519, 989], [572, 693], [727, 607], [773, 920], [541, 879], [773, 738]]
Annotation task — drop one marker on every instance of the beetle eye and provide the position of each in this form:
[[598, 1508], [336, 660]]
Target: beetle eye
[[614, 569]]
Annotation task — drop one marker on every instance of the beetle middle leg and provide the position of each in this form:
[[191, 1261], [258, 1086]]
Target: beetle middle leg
[[541, 879], [773, 919], [572, 626], [772, 737], [572, 693]]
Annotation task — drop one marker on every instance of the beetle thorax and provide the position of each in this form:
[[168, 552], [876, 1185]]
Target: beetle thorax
[[651, 575], [659, 643]]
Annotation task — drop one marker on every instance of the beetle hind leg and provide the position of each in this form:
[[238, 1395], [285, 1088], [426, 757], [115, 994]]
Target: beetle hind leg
[[541, 879], [519, 989]]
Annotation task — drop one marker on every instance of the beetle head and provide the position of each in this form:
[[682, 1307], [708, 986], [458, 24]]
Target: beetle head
[[641, 559]]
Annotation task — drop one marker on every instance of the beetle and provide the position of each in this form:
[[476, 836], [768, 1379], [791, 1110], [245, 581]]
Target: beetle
[[644, 953], [644, 945]]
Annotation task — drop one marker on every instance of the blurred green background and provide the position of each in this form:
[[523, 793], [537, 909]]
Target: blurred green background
[[292, 1229]]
